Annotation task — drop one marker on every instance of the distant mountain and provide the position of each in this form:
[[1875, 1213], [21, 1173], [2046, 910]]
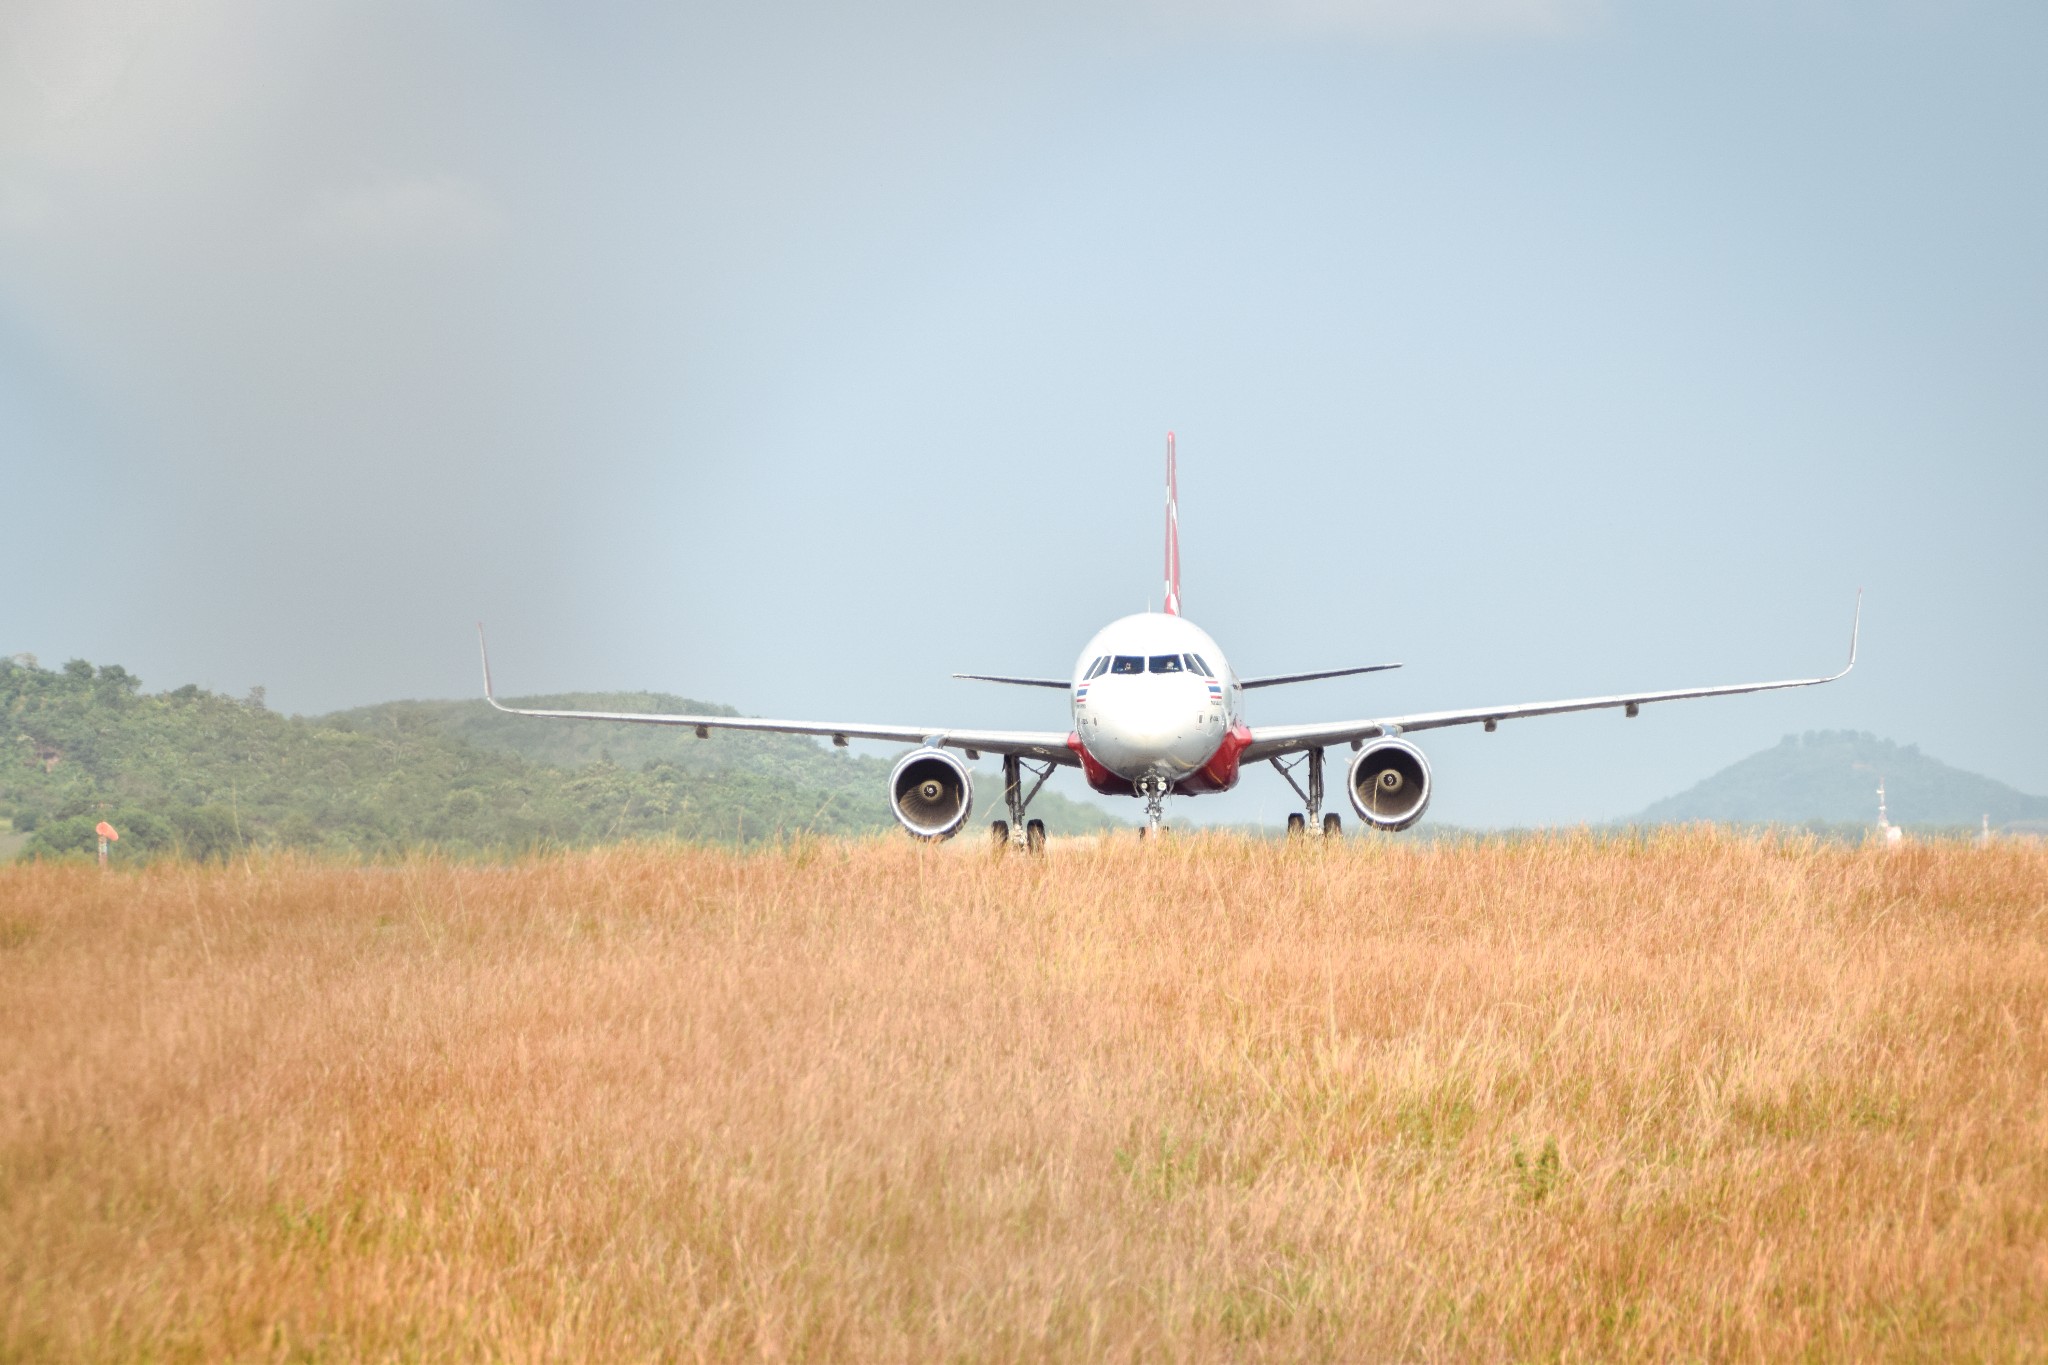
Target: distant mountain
[[1831, 777]]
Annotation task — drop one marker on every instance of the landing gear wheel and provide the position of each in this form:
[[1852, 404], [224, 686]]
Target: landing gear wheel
[[1034, 836], [1297, 825], [999, 834], [1333, 826], [1154, 790]]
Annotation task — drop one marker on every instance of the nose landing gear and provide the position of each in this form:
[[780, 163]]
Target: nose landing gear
[[1154, 789]]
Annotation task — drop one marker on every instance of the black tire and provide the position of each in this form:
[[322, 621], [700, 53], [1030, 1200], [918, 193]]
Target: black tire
[[1034, 836], [1297, 825], [999, 834], [1333, 826]]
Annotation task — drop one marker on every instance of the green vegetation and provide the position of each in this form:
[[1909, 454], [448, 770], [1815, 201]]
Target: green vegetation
[[193, 772]]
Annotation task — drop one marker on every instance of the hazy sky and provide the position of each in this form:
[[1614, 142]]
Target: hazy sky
[[796, 355]]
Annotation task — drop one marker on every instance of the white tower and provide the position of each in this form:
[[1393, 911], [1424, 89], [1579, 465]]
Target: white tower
[[1889, 832]]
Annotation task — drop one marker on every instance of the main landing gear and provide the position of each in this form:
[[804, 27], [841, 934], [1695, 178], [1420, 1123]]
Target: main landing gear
[[1299, 824], [1008, 833]]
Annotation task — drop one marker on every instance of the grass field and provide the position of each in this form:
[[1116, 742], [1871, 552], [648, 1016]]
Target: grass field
[[1703, 1097]]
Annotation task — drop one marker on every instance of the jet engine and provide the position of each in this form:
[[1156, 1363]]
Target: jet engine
[[931, 793], [1389, 783]]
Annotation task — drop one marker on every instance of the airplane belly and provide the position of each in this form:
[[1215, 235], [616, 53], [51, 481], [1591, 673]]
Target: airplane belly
[[1172, 754]]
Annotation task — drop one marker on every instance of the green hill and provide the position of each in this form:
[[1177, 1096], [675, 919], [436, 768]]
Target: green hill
[[1831, 777], [566, 744], [793, 759], [193, 771]]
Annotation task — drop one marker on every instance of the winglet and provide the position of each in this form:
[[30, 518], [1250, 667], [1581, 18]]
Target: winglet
[[1172, 605], [485, 651], [1855, 629]]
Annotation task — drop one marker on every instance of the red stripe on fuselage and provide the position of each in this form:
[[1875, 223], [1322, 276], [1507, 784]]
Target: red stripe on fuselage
[[1099, 777], [1219, 774]]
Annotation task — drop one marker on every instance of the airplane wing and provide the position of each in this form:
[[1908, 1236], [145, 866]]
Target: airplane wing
[[1045, 746], [1272, 741]]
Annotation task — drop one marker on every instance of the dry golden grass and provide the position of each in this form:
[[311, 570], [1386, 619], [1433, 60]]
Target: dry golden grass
[[1707, 1098]]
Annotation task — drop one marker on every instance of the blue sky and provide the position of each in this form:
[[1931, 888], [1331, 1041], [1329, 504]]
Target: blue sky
[[797, 355]]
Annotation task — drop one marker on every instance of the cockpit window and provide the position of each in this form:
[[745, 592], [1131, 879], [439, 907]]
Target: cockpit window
[[1197, 663], [1095, 669], [1166, 663], [1127, 663]]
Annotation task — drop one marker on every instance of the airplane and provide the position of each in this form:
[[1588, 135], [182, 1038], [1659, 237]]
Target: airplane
[[1156, 710]]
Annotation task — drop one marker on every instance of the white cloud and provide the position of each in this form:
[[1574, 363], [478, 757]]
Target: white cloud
[[400, 212]]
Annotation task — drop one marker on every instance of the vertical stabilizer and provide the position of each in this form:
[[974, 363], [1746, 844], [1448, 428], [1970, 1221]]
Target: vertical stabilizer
[[1172, 533]]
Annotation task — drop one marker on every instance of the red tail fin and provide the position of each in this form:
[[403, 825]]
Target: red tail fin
[[1172, 533]]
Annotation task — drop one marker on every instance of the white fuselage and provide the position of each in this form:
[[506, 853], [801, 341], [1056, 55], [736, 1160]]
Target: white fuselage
[[1153, 696]]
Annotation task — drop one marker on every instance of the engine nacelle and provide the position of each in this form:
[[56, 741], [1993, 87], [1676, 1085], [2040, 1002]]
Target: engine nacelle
[[1389, 782], [931, 793]]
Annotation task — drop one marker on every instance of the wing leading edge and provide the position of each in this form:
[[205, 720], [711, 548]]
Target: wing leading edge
[[1046, 746], [1271, 741]]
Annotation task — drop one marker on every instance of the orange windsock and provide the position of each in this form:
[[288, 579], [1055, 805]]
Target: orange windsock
[[106, 831]]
